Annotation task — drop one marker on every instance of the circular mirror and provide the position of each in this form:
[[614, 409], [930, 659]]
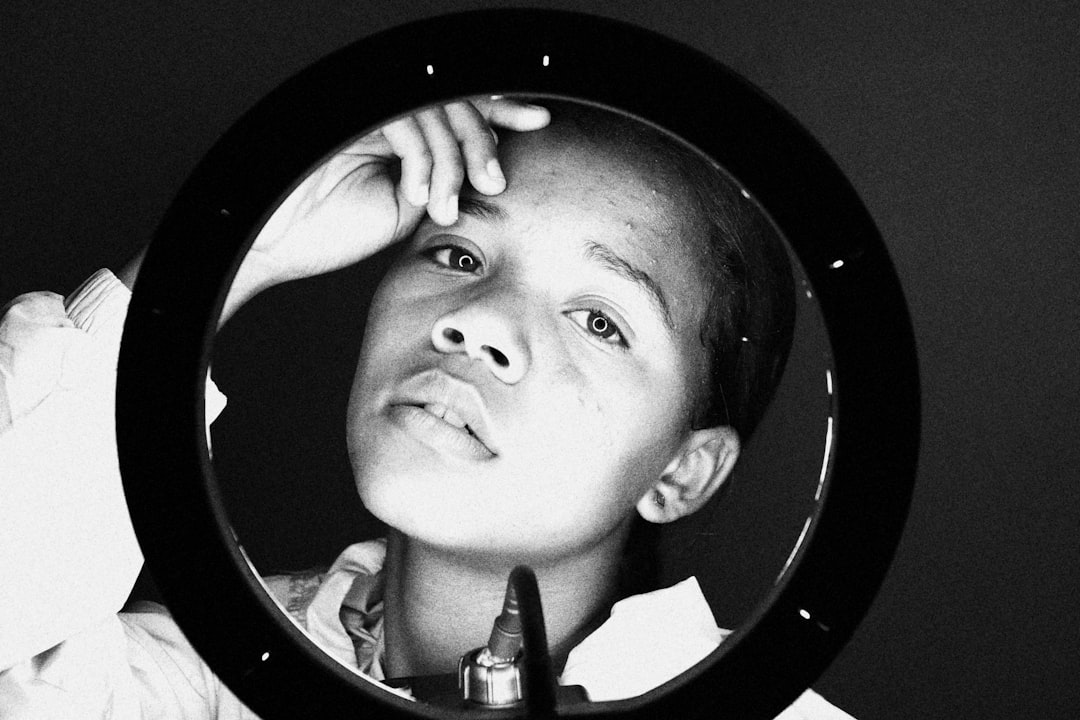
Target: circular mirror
[[282, 450], [768, 543]]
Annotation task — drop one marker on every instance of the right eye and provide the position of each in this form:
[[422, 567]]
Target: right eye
[[455, 258]]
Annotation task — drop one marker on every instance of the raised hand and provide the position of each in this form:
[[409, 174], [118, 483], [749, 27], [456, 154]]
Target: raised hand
[[376, 191]]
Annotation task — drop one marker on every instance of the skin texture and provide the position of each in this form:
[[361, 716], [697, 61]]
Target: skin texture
[[530, 318], [576, 377], [572, 416]]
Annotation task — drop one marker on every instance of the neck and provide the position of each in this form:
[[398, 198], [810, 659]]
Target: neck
[[441, 604]]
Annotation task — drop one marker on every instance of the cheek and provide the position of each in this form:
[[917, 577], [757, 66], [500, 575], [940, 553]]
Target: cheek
[[382, 316], [612, 441], [372, 348], [397, 323], [394, 333]]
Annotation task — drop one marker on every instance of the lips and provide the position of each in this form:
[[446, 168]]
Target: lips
[[444, 412], [449, 415]]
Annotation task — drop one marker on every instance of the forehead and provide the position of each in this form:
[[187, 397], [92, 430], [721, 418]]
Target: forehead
[[558, 169], [571, 193]]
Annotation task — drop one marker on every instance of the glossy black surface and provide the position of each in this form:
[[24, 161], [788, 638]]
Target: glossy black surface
[[168, 478]]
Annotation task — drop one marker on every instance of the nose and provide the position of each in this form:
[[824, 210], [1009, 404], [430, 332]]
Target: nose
[[487, 332]]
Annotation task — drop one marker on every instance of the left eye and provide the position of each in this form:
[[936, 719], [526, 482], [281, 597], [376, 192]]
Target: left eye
[[599, 326], [455, 258]]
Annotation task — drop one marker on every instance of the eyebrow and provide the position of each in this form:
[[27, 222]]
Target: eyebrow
[[477, 207], [481, 209], [606, 257]]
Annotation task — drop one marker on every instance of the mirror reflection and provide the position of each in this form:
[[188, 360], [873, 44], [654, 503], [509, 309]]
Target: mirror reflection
[[496, 333]]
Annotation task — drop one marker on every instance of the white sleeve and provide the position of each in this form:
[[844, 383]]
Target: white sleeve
[[132, 666], [68, 554]]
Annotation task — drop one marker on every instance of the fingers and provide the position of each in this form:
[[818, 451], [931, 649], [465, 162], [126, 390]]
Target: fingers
[[407, 141], [478, 147], [512, 114], [440, 146], [447, 171]]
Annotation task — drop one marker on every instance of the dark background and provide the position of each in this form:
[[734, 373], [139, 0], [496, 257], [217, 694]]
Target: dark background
[[955, 121]]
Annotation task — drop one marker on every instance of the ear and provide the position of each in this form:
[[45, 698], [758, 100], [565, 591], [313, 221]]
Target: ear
[[701, 466]]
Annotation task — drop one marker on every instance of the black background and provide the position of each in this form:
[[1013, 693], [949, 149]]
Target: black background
[[957, 124]]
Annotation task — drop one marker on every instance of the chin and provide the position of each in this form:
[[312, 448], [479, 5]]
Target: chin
[[412, 507]]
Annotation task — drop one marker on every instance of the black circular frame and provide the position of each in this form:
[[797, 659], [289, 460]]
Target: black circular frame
[[169, 480]]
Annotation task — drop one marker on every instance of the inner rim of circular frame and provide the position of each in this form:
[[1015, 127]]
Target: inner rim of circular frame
[[164, 356], [822, 387]]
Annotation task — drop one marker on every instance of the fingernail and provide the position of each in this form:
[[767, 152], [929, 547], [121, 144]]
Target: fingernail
[[452, 209], [420, 195], [494, 170]]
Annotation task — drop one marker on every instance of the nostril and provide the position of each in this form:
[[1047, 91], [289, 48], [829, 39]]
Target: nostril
[[453, 336], [500, 359]]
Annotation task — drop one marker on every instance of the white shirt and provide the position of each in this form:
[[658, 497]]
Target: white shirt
[[69, 558]]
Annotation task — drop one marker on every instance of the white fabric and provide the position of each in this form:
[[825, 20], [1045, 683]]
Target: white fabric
[[673, 628], [61, 502], [648, 640], [68, 555], [321, 621]]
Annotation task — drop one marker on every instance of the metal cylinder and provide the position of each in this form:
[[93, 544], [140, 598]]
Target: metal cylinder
[[488, 681]]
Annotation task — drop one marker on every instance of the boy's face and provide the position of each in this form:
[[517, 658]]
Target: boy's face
[[558, 321]]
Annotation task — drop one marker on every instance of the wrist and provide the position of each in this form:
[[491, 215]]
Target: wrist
[[256, 273]]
